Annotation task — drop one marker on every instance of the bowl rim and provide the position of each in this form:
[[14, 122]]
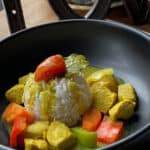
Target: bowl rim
[[106, 22], [110, 23]]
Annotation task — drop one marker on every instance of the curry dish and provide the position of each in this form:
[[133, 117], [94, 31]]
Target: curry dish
[[67, 103]]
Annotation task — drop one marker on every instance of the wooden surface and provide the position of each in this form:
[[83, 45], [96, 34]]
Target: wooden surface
[[35, 13], [40, 12]]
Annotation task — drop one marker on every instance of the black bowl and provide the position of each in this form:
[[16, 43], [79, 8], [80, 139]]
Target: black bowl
[[104, 43]]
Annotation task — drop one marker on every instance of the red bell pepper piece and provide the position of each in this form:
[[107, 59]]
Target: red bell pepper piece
[[50, 67], [17, 116], [19, 127], [109, 131]]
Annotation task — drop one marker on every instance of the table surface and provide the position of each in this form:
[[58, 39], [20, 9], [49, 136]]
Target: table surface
[[41, 12]]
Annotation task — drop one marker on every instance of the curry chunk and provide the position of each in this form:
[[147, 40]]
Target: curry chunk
[[126, 92], [96, 76], [106, 81], [88, 71], [36, 144], [14, 94], [104, 99], [59, 136], [37, 129], [122, 110]]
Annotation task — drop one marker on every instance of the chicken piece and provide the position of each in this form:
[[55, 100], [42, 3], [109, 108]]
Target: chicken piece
[[45, 107], [88, 71], [96, 76], [104, 99], [106, 81], [126, 92], [14, 94], [37, 129], [122, 110], [59, 136], [36, 144]]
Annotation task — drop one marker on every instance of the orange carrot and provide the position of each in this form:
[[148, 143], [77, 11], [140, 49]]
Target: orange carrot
[[18, 117], [14, 111], [91, 119]]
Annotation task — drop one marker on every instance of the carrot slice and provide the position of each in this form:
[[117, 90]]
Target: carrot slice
[[91, 119], [14, 111]]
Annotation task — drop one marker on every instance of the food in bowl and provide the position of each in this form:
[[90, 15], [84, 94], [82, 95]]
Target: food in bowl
[[67, 103]]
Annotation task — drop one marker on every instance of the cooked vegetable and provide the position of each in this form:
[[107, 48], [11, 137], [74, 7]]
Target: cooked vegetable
[[19, 118], [109, 131], [75, 63], [14, 111], [37, 129], [51, 67], [18, 129], [91, 119], [14, 94], [36, 144], [104, 99], [126, 92], [85, 138], [23, 79], [122, 110], [80, 147], [59, 136]]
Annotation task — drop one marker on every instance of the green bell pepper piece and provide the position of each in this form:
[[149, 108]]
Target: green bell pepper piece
[[85, 138]]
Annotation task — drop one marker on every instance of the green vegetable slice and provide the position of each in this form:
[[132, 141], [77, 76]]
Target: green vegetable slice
[[76, 62], [85, 138]]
